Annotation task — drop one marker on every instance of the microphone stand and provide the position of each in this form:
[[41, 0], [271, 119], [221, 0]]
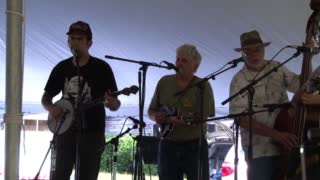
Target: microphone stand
[[200, 160], [200, 85], [236, 158], [138, 167], [115, 142], [52, 147], [251, 92], [79, 119], [211, 76], [237, 123]]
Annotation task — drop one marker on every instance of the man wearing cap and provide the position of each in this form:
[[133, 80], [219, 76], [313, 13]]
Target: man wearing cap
[[270, 90], [81, 79]]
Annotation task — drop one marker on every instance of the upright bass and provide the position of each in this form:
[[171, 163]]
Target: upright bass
[[305, 116]]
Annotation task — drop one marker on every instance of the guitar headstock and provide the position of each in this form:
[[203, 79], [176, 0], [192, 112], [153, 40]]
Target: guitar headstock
[[126, 91]]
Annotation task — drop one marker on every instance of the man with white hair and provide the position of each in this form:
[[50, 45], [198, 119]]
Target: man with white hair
[[179, 147], [270, 90]]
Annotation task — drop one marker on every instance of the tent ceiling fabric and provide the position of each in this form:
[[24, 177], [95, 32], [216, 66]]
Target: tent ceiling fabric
[[146, 30]]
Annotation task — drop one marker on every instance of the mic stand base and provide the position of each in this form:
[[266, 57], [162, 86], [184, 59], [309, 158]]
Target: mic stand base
[[138, 164], [53, 159], [115, 142], [52, 147]]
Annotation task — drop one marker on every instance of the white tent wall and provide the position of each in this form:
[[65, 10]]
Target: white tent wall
[[149, 30]]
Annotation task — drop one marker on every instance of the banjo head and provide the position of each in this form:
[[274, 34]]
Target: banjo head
[[66, 119]]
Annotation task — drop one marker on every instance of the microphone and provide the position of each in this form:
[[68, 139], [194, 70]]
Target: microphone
[[171, 66], [312, 50], [75, 52], [136, 121], [109, 57], [236, 61], [274, 106]]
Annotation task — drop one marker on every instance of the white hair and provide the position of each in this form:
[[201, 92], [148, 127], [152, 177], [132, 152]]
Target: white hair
[[189, 51]]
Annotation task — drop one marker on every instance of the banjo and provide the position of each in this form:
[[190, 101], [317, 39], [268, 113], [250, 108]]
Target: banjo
[[61, 124]]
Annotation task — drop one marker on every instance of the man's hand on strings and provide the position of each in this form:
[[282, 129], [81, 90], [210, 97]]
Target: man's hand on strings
[[178, 121], [287, 140], [160, 118], [56, 112], [310, 99], [111, 102]]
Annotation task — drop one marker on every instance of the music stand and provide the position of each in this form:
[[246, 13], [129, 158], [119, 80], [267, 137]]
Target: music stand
[[150, 149]]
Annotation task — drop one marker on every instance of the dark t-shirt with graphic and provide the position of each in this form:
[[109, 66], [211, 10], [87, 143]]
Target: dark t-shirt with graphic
[[96, 78]]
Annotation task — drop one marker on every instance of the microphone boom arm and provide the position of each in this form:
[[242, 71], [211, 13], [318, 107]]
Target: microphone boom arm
[[211, 76], [143, 63], [257, 80]]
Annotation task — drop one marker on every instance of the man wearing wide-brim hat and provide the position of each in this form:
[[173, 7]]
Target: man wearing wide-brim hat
[[270, 90], [251, 39], [252, 46]]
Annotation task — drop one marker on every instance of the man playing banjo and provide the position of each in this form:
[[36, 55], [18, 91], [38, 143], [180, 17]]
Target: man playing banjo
[[91, 78]]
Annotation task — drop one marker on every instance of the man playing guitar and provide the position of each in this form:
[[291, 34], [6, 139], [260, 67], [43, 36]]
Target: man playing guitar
[[178, 152]]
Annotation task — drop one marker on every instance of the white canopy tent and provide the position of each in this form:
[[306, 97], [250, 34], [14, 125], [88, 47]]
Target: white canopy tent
[[150, 31]]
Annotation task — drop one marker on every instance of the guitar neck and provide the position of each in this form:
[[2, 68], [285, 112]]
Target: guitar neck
[[94, 102], [97, 101]]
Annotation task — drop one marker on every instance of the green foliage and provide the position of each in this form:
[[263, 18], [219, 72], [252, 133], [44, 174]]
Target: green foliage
[[125, 157]]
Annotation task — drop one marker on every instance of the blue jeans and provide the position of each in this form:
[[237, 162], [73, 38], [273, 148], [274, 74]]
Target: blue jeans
[[178, 158]]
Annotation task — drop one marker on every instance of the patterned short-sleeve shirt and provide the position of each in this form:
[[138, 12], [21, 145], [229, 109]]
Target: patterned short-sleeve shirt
[[270, 90]]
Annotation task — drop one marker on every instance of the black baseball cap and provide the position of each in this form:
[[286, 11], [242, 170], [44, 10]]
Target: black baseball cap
[[80, 27]]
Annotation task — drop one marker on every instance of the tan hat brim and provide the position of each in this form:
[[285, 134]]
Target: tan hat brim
[[265, 44]]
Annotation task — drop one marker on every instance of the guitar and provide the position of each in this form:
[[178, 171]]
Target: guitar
[[166, 128], [65, 121]]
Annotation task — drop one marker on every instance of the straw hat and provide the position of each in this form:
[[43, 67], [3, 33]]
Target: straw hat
[[251, 39]]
